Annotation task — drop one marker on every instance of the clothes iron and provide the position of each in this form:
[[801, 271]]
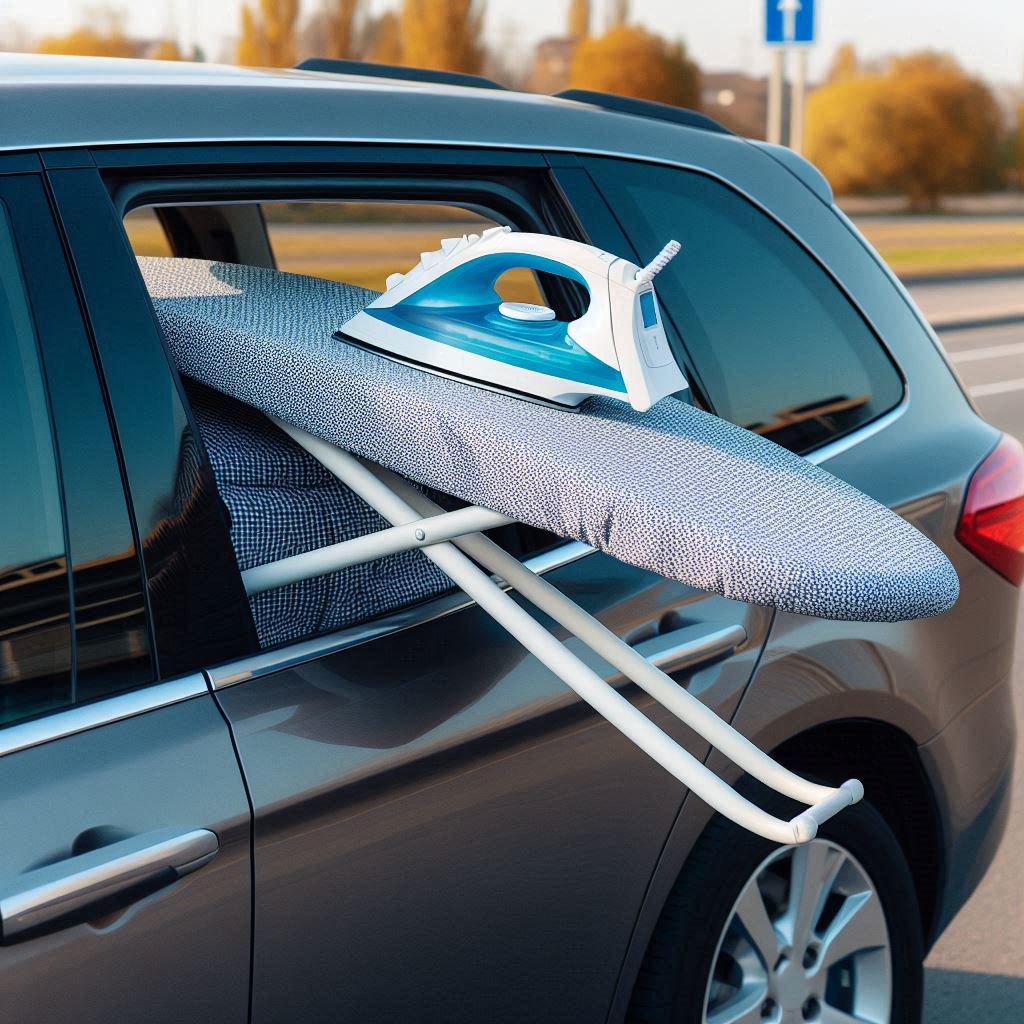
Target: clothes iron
[[445, 316]]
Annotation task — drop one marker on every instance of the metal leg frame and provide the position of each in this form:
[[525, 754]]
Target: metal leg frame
[[450, 539]]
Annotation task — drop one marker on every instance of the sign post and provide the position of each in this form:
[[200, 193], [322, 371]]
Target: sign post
[[788, 24]]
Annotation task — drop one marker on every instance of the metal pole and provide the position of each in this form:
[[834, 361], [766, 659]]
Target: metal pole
[[775, 86], [796, 115]]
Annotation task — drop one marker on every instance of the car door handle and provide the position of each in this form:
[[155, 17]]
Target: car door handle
[[690, 645], [45, 894]]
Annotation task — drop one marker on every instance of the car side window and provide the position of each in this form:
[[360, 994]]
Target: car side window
[[778, 348], [35, 619], [280, 501]]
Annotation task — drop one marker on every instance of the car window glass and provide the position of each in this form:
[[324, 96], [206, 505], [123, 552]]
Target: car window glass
[[362, 243], [778, 347], [35, 640], [146, 233]]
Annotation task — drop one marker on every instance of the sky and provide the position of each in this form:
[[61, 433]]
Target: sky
[[987, 36]]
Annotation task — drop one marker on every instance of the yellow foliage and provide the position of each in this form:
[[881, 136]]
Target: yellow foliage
[[90, 42], [341, 18], [844, 64], [578, 24], [922, 127], [165, 49], [631, 61], [384, 39], [443, 34], [267, 35]]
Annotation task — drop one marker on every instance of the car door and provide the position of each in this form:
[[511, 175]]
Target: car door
[[442, 830], [124, 866]]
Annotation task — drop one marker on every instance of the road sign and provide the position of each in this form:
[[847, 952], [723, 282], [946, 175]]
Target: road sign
[[788, 22]]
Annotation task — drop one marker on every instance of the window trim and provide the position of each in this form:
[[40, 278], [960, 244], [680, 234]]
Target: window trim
[[78, 718]]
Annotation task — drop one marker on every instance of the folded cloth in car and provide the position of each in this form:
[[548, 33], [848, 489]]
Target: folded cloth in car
[[283, 502], [674, 490]]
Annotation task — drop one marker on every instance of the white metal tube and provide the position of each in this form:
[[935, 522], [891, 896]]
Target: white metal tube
[[628, 661], [607, 701], [359, 550], [796, 105], [776, 86]]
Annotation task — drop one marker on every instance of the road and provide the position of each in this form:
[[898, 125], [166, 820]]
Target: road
[[975, 973]]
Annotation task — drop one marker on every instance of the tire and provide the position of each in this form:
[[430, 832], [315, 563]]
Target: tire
[[673, 982]]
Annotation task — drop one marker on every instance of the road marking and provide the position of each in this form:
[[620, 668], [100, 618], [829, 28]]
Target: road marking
[[970, 355], [1000, 387]]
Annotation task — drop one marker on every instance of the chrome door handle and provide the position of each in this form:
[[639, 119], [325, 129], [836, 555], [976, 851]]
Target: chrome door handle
[[41, 896], [690, 645]]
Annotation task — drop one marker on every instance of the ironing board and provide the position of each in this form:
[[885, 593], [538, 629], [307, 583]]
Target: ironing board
[[673, 490]]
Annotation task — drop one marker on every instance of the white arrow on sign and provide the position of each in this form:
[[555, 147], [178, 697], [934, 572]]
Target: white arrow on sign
[[789, 9]]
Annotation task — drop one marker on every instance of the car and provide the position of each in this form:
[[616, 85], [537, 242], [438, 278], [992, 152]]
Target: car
[[222, 810]]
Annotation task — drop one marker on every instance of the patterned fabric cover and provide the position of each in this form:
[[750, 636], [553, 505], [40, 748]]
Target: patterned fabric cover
[[282, 502], [674, 490]]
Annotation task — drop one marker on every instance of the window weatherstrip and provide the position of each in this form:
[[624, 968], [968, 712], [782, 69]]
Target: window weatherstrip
[[84, 717]]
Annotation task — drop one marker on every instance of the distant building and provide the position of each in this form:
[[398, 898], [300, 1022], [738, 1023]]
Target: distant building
[[552, 62], [737, 100]]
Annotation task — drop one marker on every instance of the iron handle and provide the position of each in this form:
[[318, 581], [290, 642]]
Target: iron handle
[[41, 896], [690, 645]]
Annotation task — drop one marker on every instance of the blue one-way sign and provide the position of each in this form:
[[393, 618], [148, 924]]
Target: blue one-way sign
[[788, 21]]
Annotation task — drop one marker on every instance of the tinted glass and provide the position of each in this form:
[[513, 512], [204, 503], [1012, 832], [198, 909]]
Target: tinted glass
[[35, 641], [776, 344]]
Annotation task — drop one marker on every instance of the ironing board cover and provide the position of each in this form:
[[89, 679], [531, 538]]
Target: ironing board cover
[[674, 490]]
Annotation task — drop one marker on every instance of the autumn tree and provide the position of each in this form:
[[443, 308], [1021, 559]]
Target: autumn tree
[[578, 23], [165, 49], [631, 61], [103, 36], [844, 64], [267, 36], [922, 127], [443, 34], [341, 23], [619, 13], [382, 39]]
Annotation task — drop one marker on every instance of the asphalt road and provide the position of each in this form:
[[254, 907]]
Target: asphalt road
[[975, 973]]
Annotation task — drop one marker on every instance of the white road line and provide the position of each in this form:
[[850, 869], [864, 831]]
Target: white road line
[[1000, 387], [971, 355]]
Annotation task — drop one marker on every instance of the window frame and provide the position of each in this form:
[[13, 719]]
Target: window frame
[[77, 412], [488, 181]]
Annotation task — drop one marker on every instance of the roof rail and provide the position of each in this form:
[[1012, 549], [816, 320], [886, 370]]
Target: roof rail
[[644, 108], [358, 67]]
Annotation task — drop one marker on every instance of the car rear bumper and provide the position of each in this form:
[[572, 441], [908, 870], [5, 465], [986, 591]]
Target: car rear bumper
[[971, 765]]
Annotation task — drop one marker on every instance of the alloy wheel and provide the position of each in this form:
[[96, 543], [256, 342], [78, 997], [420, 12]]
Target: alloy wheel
[[807, 941]]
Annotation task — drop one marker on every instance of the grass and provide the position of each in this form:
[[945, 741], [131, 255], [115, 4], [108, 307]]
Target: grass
[[364, 253]]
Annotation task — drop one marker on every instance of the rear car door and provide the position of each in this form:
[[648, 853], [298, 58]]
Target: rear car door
[[443, 830], [124, 866]]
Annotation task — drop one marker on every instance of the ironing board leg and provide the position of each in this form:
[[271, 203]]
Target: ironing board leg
[[619, 654], [587, 684]]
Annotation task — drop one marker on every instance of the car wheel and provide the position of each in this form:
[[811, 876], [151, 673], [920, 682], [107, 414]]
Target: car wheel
[[828, 932]]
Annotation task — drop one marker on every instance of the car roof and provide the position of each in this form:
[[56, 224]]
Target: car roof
[[58, 102]]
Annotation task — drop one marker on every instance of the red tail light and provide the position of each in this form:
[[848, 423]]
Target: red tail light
[[992, 522]]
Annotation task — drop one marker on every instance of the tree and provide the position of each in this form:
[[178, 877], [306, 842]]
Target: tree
[[578, 24], [165, 49], [382, 39], [631, 61], [923, 127], [443, 34], [341, 24], [103, 36], [619, 13], [844, 64], [267, 36]]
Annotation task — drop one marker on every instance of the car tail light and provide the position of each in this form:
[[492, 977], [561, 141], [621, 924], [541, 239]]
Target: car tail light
[[992, 522]]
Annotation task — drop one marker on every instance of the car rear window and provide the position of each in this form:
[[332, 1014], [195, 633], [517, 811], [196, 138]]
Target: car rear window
[[777, 346]]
